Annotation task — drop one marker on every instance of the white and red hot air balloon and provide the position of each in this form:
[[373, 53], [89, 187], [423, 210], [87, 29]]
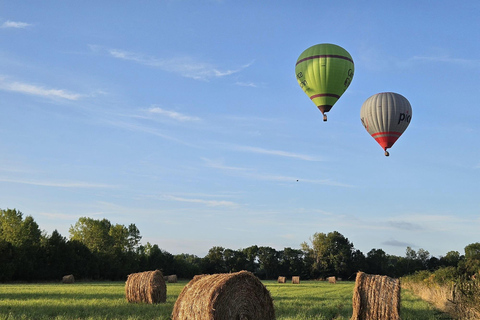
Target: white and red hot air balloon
[[386, 115]]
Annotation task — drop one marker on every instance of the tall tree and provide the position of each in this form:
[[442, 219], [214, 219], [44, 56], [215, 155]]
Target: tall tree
[[214, 261], [291, 262], [268, 260], [95, 234], [377, 262], [251, 256], [332, 254], [472, 258], [18, 231]]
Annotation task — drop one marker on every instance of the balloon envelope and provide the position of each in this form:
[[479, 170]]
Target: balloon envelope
[[324, 71], [386, 115]]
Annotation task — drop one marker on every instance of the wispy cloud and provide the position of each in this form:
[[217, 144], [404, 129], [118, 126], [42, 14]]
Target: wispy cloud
[[404, 225], [218, 164], [30, 89], [210, 203], [276, 153], [447, 59], [254, 175], [65, 184], [15, 25], [172, 114], [396, 243], [136, 127], [246, 84], [185, 66]]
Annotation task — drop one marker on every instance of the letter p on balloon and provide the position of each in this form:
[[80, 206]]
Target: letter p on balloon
[[404, 117]]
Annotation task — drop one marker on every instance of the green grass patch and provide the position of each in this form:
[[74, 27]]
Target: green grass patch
[[106, 301]]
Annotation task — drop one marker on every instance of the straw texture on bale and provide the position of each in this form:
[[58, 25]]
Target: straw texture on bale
[[332, 280], [281, 280], [376, 298], [296, 280], [68, 279], [224, 296], [172, 278], [148, 287]]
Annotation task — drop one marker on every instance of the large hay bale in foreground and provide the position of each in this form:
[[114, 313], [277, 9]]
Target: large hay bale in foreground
[[376, 298], [332, 280], [224, 296], [281, 280], [172, 278], [296, 280], [148, 287], [68, 279]]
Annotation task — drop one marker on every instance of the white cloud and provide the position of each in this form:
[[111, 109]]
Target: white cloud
[[210, 203], [246, 84], [15, 25], [252, 174], [185, 66], [447, 59], [70, 184], [276, 153], [172, 114], [30, 89]]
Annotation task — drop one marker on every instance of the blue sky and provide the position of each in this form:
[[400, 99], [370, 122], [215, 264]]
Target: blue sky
[[185, 118]]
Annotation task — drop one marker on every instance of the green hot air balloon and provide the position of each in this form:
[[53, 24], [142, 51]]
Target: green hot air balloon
[[324, 71]]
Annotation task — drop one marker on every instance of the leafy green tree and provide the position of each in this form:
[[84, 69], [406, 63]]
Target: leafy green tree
[[451, 259], [95, 234], [56, 256], [268, 262], [235, 260], [214, 261], [160, 259], [187, 265], [377, 262], [25, 237], [18, 231], [423, 256], [134, 237], [472, 258], [332, 254], [291, 262], [7, 262], [359, 263], [251, 257]]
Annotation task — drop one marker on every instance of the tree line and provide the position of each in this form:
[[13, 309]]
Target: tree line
[[100, 250]]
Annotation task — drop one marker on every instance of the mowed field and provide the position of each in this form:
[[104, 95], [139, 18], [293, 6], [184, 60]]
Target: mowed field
[[106, 300]]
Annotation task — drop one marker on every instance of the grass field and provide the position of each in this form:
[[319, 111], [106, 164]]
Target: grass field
[[106, 300]]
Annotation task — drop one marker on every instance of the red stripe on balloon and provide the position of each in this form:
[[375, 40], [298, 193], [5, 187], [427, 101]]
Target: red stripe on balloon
[[389, 133], [324, 56], [324, 95]]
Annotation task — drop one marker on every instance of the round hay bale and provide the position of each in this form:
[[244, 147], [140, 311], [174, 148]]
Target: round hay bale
[[296, 280], [281, 279], [376, 297], [68, 279], [332, 280], [172, 278], [224, 296], [148, 287]]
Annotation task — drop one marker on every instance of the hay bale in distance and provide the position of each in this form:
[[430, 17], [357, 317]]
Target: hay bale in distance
[[148, 287], [282, 279], [172, 278], [296, 280], [224, 296], [376, 297], [68, 279], [332, 279]]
